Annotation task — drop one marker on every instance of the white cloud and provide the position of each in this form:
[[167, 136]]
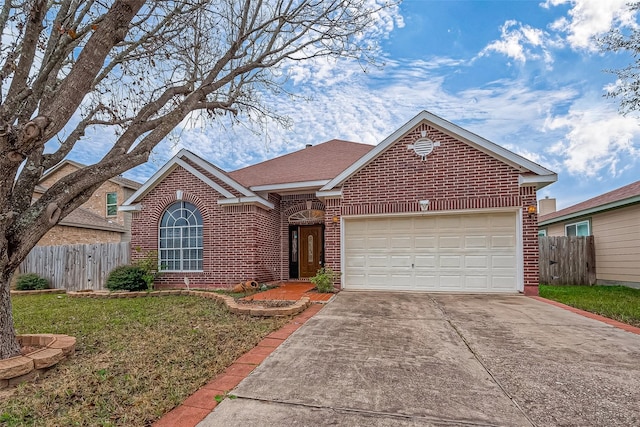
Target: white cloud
[[521, 43], [596, 142], [590, 18]]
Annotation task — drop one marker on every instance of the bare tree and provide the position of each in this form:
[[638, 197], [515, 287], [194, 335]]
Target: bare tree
[[627, 88], [139, 68]]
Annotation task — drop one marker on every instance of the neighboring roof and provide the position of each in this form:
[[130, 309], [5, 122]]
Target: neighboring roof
[[82, 218], [623, 196], [534, 174], [314, 163], [128, 183]]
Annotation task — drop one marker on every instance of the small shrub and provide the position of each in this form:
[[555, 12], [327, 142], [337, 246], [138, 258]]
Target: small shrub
[[127, 278], [324, 279], [150, 266], [31, 282]]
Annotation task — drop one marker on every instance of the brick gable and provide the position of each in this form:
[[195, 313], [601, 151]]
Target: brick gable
[[454, 177]]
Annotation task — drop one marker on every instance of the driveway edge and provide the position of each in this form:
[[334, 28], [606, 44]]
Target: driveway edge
[[611, 322]]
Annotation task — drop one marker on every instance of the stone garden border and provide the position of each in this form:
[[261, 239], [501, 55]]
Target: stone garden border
[[54, 348], [251, 310]]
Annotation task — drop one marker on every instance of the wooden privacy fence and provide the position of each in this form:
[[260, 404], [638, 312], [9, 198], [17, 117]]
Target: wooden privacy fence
[[76, 267], [567, 260]]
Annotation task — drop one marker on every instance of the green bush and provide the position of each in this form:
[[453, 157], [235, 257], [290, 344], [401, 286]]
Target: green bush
[[324, 279], [150, 266], [31, 282], [127, 278]]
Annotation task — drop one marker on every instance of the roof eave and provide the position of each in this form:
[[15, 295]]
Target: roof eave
[[447, 127], [539, 181], [290, 186], [252, 200], [584, 212]]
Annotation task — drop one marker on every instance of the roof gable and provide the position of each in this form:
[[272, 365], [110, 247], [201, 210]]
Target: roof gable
[[182, 159], [619, 197], [533, 174], [74, 166]]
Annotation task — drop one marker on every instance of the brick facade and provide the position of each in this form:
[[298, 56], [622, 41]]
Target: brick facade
[[66, 234], [63, 235], [454, 177], [247, 242]]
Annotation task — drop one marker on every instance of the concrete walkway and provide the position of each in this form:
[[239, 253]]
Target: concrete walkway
[[382, 359]]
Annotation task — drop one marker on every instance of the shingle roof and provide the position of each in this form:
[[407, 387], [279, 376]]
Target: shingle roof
[[83, 218], [125, 182], [319, 162], [617, 195]]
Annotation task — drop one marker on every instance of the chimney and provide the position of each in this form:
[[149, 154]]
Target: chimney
[[308, 145], [546, 206]]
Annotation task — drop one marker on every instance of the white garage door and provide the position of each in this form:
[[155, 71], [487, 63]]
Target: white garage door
[[462, 252]]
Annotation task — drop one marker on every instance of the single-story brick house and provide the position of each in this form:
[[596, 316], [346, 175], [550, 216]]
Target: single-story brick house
[[613, 219], [433, 207]]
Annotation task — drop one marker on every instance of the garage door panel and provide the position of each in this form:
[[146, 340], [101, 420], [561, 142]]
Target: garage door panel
[[450, 261], [355, 243], [377, 261], [401, 261], [354, 261], [476, 261], [446, 242], [476, 283], [458, 252], [425, 243], [377, 243], [449, 222], [425, 261], [503, 261], [505, 241], [504, 283], [480, 241], [401, 243], [451, 281]]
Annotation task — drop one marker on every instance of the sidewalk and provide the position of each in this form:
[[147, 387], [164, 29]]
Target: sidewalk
[[291, 291]]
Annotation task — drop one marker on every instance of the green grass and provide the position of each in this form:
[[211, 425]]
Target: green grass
[[616, 302], [135, 358]]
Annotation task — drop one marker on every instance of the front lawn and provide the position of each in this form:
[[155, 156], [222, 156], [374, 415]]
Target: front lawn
[[135, 358], [616, 302]]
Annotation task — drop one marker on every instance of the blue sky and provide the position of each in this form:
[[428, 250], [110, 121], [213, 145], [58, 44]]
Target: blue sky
[[523, 74]]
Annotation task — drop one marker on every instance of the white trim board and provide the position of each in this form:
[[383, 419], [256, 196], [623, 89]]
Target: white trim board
[[484, 145]]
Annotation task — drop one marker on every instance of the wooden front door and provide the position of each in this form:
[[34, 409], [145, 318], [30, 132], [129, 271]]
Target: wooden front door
[[310, 250]]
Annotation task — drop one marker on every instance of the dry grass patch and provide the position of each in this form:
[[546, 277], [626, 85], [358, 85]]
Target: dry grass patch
[[135, 358]]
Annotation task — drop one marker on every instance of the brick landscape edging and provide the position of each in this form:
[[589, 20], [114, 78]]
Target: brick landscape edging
[[37, 292], [234, 307], [55, 347]]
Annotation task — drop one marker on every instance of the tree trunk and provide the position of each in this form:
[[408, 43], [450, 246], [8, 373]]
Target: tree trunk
[[9, 346]]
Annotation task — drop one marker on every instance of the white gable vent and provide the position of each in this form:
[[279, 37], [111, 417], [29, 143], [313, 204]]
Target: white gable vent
[[423, 146]]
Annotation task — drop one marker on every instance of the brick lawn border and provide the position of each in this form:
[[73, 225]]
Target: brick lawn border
[[55, 347], [235, 308]]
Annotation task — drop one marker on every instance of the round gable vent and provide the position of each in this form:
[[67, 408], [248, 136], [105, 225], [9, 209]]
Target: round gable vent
[[423, 147]]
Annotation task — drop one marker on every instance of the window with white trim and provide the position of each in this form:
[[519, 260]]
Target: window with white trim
[[180, 243], [577, 229], [542, 233], [112, 204]]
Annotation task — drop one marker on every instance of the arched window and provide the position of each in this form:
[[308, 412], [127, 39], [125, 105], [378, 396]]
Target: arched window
[[180, 245]]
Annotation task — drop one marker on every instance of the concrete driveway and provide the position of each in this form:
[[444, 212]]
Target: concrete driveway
[[400, 359]]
